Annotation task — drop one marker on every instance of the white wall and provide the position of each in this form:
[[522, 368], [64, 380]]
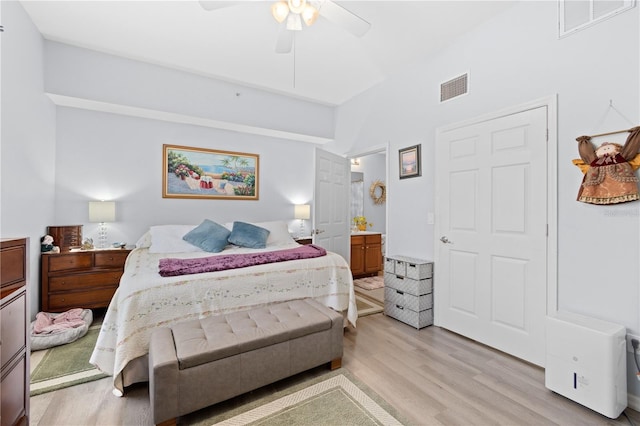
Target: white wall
[[28, 157], [104, 155], [513, 59], [115, 157], [89, 75]]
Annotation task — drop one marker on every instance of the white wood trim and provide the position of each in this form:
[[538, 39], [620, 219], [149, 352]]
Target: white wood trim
[[87, 104]]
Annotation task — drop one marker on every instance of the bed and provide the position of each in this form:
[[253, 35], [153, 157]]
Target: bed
[[146, 300]]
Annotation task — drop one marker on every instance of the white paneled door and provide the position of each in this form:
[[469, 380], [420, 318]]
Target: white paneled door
[[491, 253], [331, 203]]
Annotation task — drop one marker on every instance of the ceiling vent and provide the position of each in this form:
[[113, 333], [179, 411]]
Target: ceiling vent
[[454, 87]]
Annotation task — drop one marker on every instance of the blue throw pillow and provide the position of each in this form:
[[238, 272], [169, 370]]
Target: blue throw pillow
[[248, 235], [209, 236]]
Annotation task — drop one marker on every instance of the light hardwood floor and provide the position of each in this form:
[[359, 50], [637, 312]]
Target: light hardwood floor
[[431, 376]]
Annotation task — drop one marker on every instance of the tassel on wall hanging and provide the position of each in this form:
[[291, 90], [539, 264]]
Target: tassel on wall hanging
[[609, 169]]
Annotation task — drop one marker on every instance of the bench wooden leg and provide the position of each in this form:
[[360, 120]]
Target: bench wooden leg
[[336, 363], [170, 422]]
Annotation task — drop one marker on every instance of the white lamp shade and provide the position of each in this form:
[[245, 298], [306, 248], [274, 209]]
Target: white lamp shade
[[302, 211], [102, 211]]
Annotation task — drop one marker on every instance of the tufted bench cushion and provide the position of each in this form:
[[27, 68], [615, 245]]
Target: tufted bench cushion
[[209, 339], [198, 363]]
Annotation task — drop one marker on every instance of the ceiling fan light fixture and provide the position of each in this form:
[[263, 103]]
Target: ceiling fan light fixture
[[297, 6], [294, 23], [309, 15], [280, 10]]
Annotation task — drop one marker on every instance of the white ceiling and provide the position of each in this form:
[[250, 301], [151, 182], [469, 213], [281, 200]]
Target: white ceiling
[[237, 43]]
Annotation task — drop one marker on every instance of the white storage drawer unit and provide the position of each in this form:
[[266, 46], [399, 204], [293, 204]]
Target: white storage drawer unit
[[408, 294]]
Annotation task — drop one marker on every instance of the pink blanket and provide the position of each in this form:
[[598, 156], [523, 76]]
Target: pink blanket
[[170, 267], [47, 323]]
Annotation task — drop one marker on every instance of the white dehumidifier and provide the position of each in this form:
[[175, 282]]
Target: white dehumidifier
[[586, 362]]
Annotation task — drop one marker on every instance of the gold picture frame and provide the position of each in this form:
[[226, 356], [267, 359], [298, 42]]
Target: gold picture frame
[[189, 172]]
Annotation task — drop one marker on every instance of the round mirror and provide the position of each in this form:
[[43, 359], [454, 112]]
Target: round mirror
[[378, 192]]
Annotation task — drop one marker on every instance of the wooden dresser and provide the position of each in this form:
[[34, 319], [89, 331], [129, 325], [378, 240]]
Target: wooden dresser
[[304, 240], [83, 279], [366, 254], [14, 345]]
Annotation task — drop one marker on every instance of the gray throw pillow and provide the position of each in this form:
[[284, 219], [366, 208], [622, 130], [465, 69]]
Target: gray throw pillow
[[248, 235], [209, 236]]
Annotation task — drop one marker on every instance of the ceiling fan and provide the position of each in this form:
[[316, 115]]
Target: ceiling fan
[[294, 12]]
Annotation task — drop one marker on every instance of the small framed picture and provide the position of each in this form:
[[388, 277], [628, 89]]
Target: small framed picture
[[410, 162]]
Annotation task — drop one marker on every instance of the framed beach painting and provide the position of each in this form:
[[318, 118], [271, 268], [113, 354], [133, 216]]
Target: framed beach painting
[[210, 174], [410, 162]]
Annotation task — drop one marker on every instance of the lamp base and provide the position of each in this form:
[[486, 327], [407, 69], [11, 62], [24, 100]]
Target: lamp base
[[102, 235]]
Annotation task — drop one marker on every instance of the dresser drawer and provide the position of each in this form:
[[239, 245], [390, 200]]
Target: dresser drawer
[[408, 285], [14, 392], [63, 262], [416, 319], [13, 327], [111, 258], [97, 298], [408, 301], [84, 281], [390, 265], [418, 271], [12, 260]]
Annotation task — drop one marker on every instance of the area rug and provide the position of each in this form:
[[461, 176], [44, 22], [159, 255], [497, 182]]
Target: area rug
[[367, 306], [334, 398], [369, 283], [64, 366]]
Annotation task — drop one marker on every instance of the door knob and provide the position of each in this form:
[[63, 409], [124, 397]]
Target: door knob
[[318, 231], [445, 240]]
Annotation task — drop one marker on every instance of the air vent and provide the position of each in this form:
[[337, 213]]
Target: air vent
[[454, 87]]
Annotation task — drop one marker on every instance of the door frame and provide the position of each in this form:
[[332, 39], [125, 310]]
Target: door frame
[[375, 150], [551, 103]]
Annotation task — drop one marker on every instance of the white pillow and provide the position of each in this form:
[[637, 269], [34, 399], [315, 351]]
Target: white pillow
[[168, 239], [278, 232], [144, 241]]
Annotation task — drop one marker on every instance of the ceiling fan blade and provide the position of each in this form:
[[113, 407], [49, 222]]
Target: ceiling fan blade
[[344, 18], [216, 4], [285, 40]]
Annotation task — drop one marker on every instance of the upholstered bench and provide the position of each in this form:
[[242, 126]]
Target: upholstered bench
[[201, 362]]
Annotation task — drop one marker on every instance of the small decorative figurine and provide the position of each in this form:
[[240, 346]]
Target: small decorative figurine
[[87, 244], [46, 243]]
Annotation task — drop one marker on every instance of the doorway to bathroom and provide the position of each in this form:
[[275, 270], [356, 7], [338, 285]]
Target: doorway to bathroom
[[368, 210]]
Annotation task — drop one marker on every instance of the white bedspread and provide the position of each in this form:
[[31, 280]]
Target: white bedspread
[[145, 300]]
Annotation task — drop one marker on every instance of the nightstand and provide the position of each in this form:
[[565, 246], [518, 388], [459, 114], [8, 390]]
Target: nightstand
[[81, 279], [304, 240]]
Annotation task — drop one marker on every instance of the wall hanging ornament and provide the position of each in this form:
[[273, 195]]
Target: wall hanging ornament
[[609, 170], [378, 192]]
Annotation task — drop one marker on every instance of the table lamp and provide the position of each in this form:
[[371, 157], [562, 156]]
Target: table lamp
[[102, 212], [302, 212]]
